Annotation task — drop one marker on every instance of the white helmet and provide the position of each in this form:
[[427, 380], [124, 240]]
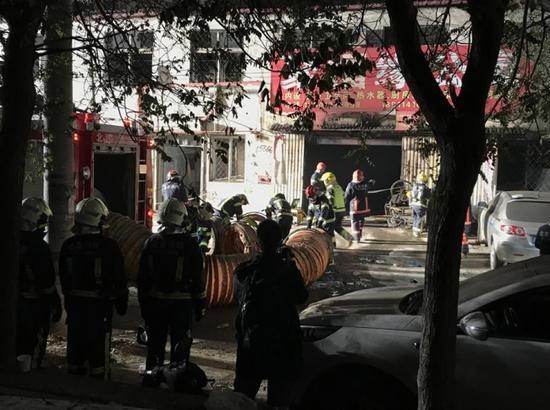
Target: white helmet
[[172, 212], [91, 212], [34, 214]]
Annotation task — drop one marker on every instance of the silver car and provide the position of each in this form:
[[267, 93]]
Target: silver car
[[361, 349], [509, 225]]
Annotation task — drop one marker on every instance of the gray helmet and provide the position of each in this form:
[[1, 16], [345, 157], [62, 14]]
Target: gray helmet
[[280, 196], [172, 212], [35, 213], [91, 212]]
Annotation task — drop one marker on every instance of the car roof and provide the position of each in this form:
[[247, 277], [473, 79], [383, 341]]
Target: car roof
[[509, 275], [540, 195]]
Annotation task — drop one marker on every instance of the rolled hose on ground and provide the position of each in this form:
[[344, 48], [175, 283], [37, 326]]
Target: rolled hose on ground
[[312, 250]]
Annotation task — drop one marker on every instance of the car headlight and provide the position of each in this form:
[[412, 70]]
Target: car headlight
[[314, 333]]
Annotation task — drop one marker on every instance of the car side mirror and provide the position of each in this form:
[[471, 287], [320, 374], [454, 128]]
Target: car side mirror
[[475, 325]]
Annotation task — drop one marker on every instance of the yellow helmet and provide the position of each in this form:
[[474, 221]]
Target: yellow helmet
[[328, 178], [422, 178], [35, 213], [172, 212], [91, 212]]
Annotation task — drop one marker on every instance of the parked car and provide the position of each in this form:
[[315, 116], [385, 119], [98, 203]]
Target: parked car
[[361, 349], [509, 224]]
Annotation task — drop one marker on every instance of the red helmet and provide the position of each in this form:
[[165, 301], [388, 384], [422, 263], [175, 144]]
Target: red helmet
[[358, 175], [311, 191]]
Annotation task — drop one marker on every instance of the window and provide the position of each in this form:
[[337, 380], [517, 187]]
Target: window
[[130, 53], [528, 211], [215, 57], [522, 316], [227, 159]]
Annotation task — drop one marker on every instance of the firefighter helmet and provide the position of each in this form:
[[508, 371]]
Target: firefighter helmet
[[171, 174], [35, 213], [172, 212], [328, 178], [206, 211], [91, 212], [280, 196], [321, 166], [243, 199], [422, 178], [311, 191], [358, 175]]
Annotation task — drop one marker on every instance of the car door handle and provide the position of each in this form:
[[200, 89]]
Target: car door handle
[[416, 344]]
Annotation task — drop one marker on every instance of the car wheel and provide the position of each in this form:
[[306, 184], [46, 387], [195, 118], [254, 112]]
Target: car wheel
[[357, 391], [494, 261]]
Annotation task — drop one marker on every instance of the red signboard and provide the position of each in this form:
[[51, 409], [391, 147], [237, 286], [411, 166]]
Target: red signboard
[[380, 91]]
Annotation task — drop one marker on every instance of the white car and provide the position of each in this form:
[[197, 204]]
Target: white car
[[510, 222], [361, 349]]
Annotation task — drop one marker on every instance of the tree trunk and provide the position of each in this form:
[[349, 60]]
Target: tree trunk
[[17, 108], [461, 159], [58, 87]]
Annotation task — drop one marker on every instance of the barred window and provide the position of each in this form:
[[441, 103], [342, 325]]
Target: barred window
[[227, 159]]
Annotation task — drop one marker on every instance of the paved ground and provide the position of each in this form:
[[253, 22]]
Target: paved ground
[[387, 256]]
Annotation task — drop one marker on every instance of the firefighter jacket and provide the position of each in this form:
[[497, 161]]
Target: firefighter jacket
[[335, 194], [542, 240], [231, 207], [91, 266], [315, 180], [174, 188], [171, 267], [191, 221], [320, 213], [36, 271], [278, 207], [420, 195], [356, 197]]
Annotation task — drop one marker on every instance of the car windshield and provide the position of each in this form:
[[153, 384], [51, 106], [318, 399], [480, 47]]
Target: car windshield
[[528, 211]]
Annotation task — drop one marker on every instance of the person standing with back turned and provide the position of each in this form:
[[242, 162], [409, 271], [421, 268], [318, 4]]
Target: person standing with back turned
[[268, 289]]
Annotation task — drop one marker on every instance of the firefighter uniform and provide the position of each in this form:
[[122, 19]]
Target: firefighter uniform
[[280, 208], [171, 285], [91, 270], [335, 194], [173, 187], [232, 207], [419, 197], [542, 240], [357, 202], [321, 215], [38, 301]]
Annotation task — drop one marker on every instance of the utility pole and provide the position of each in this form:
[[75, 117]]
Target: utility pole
[[58, 87]]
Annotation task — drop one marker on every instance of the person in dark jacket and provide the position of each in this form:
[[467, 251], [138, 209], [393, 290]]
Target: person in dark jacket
[[91, 270], [232, 207], [171, 284], [268, 289], [315, 179], [173, 187], [39, 301], [357, 202], [280, 209], [542, 240], [320, 212]]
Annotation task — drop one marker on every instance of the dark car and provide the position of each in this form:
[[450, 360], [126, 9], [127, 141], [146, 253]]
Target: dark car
[[361, 349]]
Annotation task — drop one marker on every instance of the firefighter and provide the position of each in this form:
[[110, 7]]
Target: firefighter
[[356, 201], [335, 194], [419, 197], [315, 179], [204, 229], [320, 213], [171, 285], [38, 301], [542, 240], [173, 187], [91, 269], [232, 207], [280, 208]]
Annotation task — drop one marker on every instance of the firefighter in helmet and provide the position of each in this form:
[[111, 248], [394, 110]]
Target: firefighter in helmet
[[171, 285], [356, 201], [542, 240], [315, 179], [418, 200], [232, 207], [279, 208], [320, 213], [173, 187], [335, 194], [93, 280], [38, 302]]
